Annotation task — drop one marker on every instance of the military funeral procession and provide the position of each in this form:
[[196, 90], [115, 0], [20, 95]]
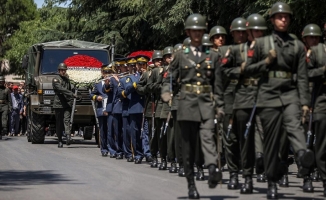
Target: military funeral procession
[[238, 109]]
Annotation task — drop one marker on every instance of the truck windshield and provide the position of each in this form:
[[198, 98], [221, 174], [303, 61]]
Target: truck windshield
[[51, 58]]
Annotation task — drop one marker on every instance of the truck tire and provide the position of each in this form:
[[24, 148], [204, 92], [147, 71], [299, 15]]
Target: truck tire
[[37, 129]]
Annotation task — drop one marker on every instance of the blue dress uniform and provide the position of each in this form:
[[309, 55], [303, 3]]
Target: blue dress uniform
[[117, 119], [108, 89], [97, 91], [135, 110], [125, 120]]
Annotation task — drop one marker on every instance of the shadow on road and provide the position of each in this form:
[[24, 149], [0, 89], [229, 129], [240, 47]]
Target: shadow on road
[[221, 197], [12, 179]]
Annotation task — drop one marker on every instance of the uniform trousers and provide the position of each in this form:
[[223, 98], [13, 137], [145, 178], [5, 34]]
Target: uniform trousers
[[135, 130], [110, 136], [117, 130], [62, 120], [4, 118], [320, 145], [15, 119], [191, 133], [147, 131], [126, 136], [177, 137], [155, 141], [273, 120]]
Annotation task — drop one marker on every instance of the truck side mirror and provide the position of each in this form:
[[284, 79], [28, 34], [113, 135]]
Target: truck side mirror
[[25, 62]]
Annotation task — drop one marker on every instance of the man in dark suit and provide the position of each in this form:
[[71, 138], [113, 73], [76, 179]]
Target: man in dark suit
[[200, 94]]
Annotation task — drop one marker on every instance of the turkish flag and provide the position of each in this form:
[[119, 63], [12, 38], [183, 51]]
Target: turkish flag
[[250, 53]]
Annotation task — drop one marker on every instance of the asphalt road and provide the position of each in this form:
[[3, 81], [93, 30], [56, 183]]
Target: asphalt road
[[42, 171]]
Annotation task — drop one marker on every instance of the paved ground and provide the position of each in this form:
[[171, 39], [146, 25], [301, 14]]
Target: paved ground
[[42, 171]]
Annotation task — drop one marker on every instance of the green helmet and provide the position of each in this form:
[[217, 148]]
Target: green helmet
[[167, 50], [257, 22], [157, 54], [187, 41], [206, 40], [177, 47], [238, 24], [280, 7], [293, 36], [311, 30], [217, 30], [62, 66], [2, 79], [196, 22]]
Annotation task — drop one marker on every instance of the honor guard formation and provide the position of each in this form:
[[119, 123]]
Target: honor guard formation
[[205, 104]]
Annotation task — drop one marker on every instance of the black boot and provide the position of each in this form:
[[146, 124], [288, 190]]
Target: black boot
[[154, 163], [247, 186], [0, 136], [272, 190], [173, 168], [192, 190], [259, 163], [261, 178], [284, 181], [68, 139], [163, 164], [181, 171], [233, 182], [60, 145], [215, 176], [307, 184], [324, 188], [305, 160], [200, 174], [315, 175]]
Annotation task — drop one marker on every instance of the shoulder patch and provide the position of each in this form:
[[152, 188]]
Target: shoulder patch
[[165, 74], [250, 53]]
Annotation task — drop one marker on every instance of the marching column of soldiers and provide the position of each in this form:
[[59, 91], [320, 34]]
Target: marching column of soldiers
[[204, 103]]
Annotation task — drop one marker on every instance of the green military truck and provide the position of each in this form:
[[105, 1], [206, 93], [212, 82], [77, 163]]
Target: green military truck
[[40, 65]]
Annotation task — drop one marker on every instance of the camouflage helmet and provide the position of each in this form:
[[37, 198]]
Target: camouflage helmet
[[217, 30], [177, 47], [206, 40], [196, 22], [2, 79], [256, 21], [293, 36], [280, 7], [62, 66], [311, 30], [238, 24], [168, 50], [157, 54]]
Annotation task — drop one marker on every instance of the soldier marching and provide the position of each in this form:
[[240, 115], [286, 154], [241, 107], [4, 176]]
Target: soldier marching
[[266, 94]]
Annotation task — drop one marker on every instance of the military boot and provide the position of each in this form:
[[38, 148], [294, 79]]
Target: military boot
[[214, 176], [60, 145], [163, 164], [272, 190], [315, 175], [305, 160], [307, 184], [200, 174], [154, 163], [261, 178], [259, 163], [324, 183], [68, 142], [0, 136], [173, 168], [284, 181], [247, 186], [181, 171], [192, 190], [233, 182]]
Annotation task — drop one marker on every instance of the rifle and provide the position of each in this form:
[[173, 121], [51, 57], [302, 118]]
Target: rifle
[[309, 132], [170, 104], [217, 143], [72, 113], [143, 120], [153, 114], [229, 128], [96, 119], [249, 122]]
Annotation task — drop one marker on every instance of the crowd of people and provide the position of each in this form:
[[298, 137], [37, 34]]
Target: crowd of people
[[207, 103], [13, 108]]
